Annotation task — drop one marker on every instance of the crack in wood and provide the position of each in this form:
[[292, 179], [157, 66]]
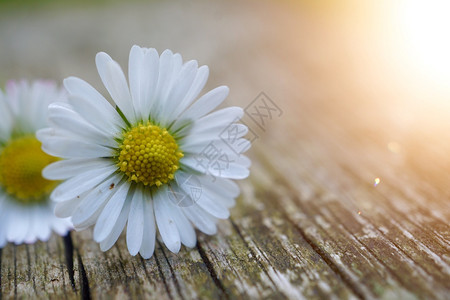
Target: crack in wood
[[62, 266], [211, 271], [68, 253], [84, 282]]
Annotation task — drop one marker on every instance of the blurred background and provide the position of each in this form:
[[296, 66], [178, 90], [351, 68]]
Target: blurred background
[[378, 70]]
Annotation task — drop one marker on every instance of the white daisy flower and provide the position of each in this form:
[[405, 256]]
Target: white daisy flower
[[26, 212], [142, 162]]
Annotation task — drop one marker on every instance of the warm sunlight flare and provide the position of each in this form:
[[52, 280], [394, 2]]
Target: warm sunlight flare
[[425, 25]]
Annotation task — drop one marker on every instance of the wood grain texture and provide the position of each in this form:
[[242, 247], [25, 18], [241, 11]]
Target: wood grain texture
[[310, 223]]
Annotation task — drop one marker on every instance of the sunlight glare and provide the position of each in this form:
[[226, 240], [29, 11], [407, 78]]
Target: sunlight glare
[[426, 27]]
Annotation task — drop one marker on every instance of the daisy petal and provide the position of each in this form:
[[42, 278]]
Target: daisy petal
[[111, 122], [116, 84], [205, 104], [64, 169], [69, 120], [180, 87], [43, 232], [166, 63], [230, 146], [135, 228], [222, 118], [111, 239], [217, 193], [90, 103], [220, 187], [60, 225], [196, 87], [201, 219], [18, 226], [143, 71], [165, 221], [229, 132], [94, 201], [35, 220], [77, 185], [228, 166], [213, 207], [66, 209], [4, 224], [233, 171], [3, 240], [110, 213], [203, 199], [149, 79], [134, 75], [185, 228], [244, 161], [149, 237], [68, 148]]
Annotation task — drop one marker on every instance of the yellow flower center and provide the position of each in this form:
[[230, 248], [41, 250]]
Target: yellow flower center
[[148, 154], [21, 164]]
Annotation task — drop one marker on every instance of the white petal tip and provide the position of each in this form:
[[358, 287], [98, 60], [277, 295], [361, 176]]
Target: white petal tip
[[224, 89], [146, 255], [190, 245], [133, 252], [136, 47], [101, 55], [174, 247], [70, 80]]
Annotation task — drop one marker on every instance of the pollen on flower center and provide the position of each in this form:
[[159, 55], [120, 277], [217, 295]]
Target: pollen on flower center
[[148, 154], [21, 164]]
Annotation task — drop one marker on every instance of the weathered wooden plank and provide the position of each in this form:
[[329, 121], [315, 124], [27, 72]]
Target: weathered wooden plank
[[400, 257], [165, 275], [342, 251], [36, 271], [263, 256], [405, 204], [234, 264]]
